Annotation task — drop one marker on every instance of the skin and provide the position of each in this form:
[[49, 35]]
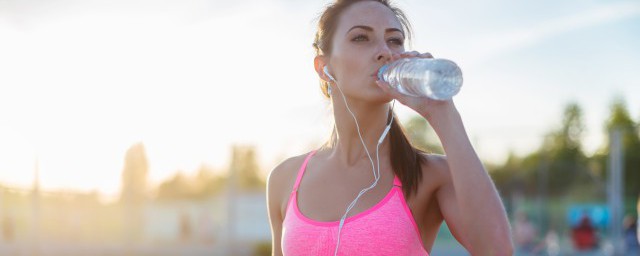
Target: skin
[[455, 188]]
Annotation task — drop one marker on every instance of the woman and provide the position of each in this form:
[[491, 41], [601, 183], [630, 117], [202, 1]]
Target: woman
[[402, 210]]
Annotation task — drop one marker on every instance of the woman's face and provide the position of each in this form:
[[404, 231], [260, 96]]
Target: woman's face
[[367, 34]]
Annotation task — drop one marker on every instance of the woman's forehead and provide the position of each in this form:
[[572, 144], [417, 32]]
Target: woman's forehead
[[368, 13]]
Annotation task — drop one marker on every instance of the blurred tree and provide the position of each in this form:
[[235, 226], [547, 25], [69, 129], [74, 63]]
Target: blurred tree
[[175, 188], [202, 185], [244, 164], [422, 136], [510, 178], [569, 171], [561, 153], [134, 174], [207, 182], [134, 192], [619, 118], [557, 165]]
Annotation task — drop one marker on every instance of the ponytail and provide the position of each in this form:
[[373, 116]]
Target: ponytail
[[406, 160]]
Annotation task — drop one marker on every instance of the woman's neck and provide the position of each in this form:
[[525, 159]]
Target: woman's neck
[[372, 120]]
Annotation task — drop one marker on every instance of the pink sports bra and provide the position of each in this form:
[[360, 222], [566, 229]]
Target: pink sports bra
[[388, 228]]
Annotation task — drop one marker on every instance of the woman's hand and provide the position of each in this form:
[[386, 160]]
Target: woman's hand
[[423, 105]]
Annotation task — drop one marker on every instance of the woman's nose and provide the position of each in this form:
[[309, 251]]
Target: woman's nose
[[384, 53]]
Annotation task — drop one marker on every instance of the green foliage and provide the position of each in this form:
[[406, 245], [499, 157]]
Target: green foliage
[[509, 177], [134, 175], [262, 248], [422, 136], [561, 153], [619, 118], [244, 165], [199, 186], [243, 170], [560, 167], [555, 167]]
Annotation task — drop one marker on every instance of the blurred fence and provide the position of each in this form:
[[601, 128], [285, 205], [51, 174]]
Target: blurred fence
[[202, 228]]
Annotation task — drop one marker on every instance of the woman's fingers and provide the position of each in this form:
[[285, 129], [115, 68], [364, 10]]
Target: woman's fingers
[[386, 88], [383, 85], [396, 56], [410, 54], [413, 54], [426, 55]]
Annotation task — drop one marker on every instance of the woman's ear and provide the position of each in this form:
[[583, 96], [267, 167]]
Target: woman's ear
[[319, 62]]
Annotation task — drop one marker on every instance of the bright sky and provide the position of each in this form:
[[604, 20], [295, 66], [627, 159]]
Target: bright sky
[[82, 81]]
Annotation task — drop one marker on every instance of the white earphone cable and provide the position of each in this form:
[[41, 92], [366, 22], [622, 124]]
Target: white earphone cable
[[376, 173]]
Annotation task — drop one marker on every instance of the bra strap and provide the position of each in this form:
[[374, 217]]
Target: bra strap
[[396, 181], [302, 169]]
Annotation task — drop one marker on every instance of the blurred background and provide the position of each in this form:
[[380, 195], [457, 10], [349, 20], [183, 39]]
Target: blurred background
[[149, 127]]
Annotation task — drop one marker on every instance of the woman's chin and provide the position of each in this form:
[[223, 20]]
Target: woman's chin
[[383, 97]]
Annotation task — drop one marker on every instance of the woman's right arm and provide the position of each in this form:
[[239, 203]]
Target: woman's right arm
[[275, 187]]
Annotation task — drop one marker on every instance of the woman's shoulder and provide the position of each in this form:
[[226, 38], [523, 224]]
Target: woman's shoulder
[[284, 174], [435, 176], [436, 168]]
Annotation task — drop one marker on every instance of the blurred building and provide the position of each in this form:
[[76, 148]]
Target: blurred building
[[206, 221]]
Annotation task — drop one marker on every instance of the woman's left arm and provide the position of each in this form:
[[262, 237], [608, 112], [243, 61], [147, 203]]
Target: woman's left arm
[[470, 198]]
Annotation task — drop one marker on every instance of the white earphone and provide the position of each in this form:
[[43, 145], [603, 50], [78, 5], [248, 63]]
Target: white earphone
[[326, 72], [376, 173]]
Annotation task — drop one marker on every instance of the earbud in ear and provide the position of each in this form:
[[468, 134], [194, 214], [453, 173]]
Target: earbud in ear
[[326, 72]]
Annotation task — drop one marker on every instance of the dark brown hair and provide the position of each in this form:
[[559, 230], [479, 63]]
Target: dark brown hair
[[406, 159]]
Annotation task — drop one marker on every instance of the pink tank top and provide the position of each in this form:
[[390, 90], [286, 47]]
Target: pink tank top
[[388, 228]]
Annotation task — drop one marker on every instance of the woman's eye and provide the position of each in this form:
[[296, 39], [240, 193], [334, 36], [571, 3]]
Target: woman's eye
[[396, 41], [360, 38]]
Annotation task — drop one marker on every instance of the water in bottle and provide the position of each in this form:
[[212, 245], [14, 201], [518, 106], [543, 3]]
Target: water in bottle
[[438, 79]]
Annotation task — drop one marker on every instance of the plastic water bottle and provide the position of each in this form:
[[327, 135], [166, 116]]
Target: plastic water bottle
[[438, 79]]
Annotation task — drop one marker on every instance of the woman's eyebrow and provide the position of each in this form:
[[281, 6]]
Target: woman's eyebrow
[[367, 28]]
